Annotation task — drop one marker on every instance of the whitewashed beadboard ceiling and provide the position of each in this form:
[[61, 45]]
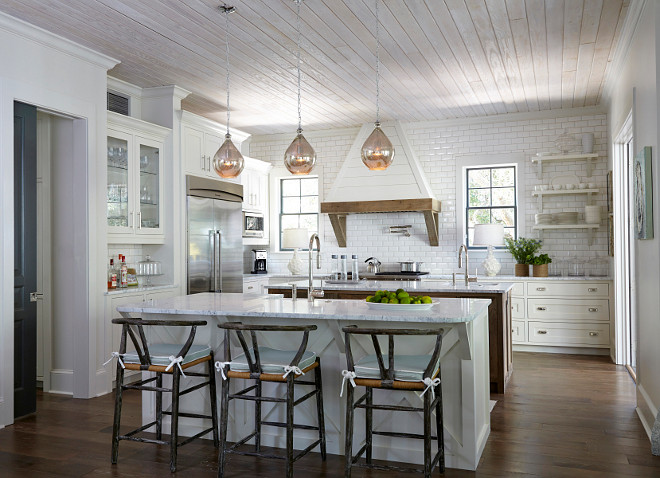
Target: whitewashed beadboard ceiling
[[440, 58]]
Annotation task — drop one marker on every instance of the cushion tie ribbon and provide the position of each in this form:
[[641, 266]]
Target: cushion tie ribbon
[[292, 368], [430, 383], [348, 375], [175, 360], [220, 367], [117, 356]]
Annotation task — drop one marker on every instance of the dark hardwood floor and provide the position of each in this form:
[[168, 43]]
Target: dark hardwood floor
[[562, 416]]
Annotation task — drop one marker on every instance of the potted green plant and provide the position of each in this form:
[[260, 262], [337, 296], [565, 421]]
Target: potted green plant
[[523, 251], [540, 265]]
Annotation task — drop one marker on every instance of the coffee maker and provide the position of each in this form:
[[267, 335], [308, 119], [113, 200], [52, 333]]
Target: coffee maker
[[259, 261]]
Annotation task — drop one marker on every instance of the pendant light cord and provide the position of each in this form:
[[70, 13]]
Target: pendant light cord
[[227, 12], [298, 57], [377, 65]]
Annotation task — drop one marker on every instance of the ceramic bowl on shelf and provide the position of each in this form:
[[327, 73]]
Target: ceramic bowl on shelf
[[569, 186], [582, 186], [544, 187], [557, 187]]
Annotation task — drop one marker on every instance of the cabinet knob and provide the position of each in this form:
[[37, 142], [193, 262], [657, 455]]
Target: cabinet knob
[[593, 309], [593, 334], [540, 289], [542, 332], [540, 308], [592, 289]]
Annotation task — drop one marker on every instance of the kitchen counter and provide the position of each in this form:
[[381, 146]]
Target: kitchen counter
[[464, 365], [499, 311], [140, 289]]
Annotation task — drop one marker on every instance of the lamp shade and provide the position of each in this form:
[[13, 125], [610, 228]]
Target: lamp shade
[[488, 235], [295, 238]]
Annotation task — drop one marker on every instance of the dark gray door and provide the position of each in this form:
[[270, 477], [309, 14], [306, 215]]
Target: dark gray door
[[25, 259]]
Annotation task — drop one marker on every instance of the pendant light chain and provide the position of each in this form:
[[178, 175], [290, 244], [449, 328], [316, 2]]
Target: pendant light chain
[[377, 65], [298, 56], [227, 51]]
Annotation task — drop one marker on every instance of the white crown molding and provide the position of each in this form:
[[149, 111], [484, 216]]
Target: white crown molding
[[200, 121], [135, 123], [121, 86], [630, 23], [39, 35], [170, 91]]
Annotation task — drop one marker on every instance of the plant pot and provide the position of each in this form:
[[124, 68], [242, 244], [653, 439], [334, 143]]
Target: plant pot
[[522, 270], [540, 270]]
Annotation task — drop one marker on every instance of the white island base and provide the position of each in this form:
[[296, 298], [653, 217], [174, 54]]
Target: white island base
[[464, 366]]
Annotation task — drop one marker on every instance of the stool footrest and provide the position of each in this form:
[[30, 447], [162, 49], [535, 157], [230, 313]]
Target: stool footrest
[[283, 425], [189, 439], [305, 397], [141, 429], [241, 441], [398, 408], [401, 435], [146, 389], [256, 399], [143, 440], [188, 414], [306, 450], [195, 387]]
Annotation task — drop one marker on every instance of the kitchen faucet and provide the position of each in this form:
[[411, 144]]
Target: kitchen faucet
[[311, 292], [468, 279]]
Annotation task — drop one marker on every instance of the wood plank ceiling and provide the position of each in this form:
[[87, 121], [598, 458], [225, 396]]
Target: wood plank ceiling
[[440, 58]]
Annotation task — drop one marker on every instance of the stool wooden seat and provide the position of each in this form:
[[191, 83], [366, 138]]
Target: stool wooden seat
[[263, 364], [171, 359], [393, 372]]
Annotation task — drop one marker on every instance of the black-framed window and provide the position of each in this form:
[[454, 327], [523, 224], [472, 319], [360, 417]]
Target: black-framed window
[[299, 205], [491, 198]]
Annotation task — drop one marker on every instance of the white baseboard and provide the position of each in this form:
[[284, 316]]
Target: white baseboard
[[560, 350], [61, 382], [646, 410]]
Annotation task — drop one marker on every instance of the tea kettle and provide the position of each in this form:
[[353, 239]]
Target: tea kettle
[[373, 266]]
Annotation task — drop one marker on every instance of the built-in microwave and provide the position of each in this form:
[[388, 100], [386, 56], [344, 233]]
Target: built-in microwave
[[253, 224]]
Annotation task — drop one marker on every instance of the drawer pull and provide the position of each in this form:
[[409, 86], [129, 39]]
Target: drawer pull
[[540, 289], [250, 287], [593, 334], [542, 332], [540, 308], [593, 309], [593, 289]]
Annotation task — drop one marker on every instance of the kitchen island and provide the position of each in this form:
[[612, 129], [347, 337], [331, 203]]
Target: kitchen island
[[464, 366], [499, 311]]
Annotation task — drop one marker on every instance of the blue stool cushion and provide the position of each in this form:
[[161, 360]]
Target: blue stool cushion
[[408, 368], [160, 353], [272, 360]]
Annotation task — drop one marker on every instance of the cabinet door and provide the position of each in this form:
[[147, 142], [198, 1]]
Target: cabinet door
[[149, 167], [212, 143], [194, 154], [120, 204]]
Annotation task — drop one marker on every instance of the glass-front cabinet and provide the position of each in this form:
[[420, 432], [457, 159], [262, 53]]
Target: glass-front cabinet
[[135, 180]]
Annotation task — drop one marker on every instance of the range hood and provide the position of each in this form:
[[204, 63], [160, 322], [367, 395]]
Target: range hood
[[400, 188]]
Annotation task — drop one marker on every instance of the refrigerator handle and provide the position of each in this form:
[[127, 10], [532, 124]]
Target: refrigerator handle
[[213, 271], [218, 262]]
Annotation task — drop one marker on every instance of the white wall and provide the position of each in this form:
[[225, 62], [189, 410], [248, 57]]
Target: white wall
[[54, 74], [640, 71], [442, 147]]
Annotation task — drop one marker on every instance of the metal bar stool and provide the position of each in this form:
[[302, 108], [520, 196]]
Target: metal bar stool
[[264, 364], [170, 359], [394, 372]]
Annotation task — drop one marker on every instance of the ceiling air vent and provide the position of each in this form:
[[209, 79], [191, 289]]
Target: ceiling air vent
[[117, 103]]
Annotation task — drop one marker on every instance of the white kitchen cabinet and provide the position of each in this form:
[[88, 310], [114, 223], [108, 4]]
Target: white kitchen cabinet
[[200, 139], [562, 315], [255, 180], [135, 163], [255, 285]]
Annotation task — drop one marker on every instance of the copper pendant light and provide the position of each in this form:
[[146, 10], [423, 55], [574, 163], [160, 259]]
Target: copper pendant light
[[299, 157], [377, 151], [228, 161]]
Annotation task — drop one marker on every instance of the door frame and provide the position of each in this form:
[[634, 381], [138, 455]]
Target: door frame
[[624, 270]]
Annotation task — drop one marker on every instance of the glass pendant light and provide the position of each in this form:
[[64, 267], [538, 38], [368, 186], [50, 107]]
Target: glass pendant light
[[299, 157], [377, 151], [228, 161]]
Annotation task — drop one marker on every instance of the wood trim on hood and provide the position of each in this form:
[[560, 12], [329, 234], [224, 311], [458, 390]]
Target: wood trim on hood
[[338, 211]]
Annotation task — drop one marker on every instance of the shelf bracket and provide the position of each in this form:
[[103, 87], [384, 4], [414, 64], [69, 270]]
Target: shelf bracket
[[431, 218], [339, 226]]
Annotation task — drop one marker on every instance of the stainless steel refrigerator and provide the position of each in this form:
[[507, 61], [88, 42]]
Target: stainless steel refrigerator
[[215, 239]]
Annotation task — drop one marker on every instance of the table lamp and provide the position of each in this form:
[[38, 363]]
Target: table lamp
[[295, 238], [489, 235]]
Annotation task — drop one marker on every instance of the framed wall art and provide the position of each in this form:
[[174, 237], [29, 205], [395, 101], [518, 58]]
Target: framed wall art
[[643, 190]]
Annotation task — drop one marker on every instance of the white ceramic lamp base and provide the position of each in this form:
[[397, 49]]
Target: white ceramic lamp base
[[296, 265], [491, 265]]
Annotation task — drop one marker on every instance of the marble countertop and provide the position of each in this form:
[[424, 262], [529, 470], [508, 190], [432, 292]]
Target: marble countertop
[[414, 286], [273, 306], [441, 277], [141, 289]]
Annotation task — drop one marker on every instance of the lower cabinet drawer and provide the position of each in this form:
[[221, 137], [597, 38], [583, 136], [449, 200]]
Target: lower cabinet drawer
[[563, 309], [517, 308], [518, 334], [569, 334], [518, 289]]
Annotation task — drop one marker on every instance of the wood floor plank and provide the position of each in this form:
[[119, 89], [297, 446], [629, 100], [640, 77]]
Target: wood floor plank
[[563, 416]]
